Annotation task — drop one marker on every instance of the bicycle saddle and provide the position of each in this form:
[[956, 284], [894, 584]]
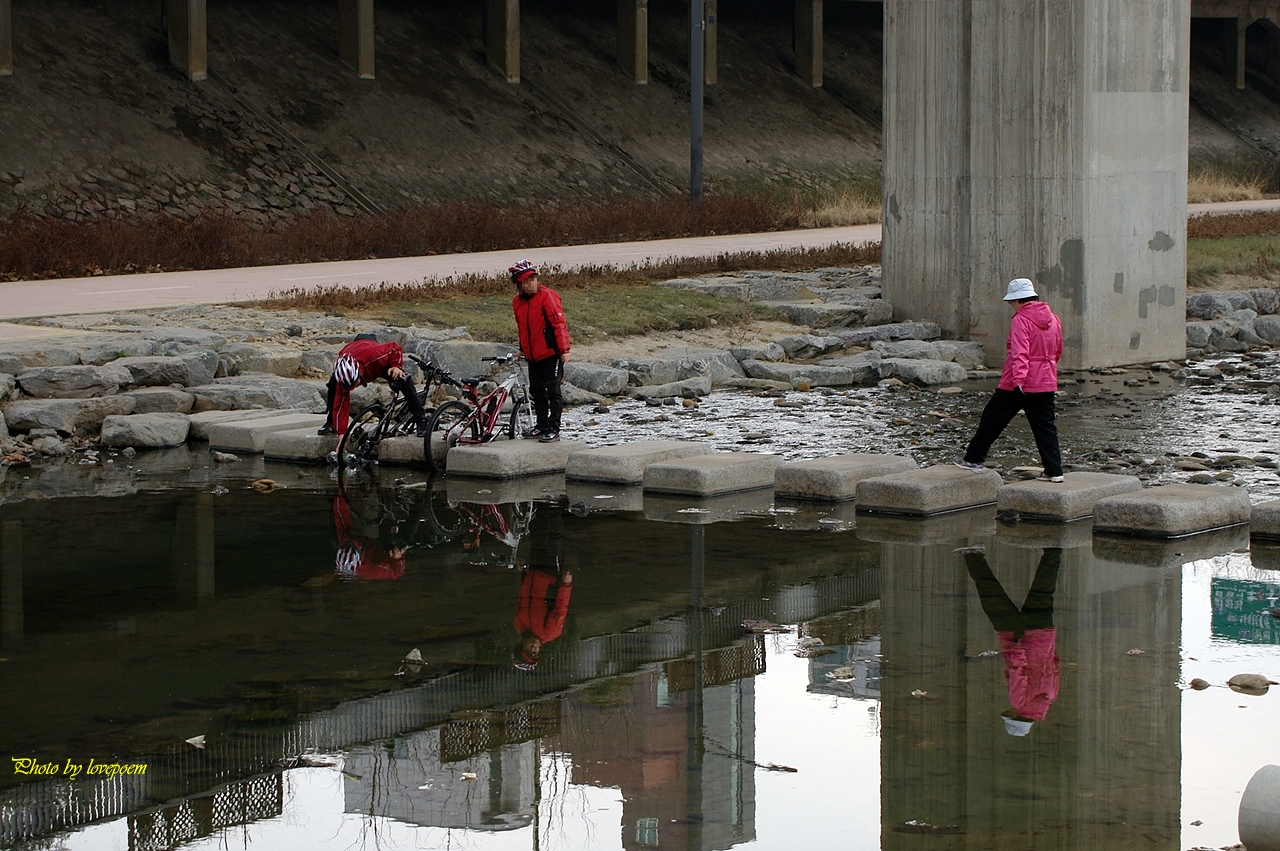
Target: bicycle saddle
[[469, 382]]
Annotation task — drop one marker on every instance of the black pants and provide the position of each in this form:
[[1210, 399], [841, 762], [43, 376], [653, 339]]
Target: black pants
[[1001, 410], [403, 386], [1036, 611], [544, 385]]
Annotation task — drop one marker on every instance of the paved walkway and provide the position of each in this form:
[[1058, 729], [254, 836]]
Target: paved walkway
[[26, 299]]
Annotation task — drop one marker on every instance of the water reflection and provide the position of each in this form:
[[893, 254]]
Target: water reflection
[[637, 723]]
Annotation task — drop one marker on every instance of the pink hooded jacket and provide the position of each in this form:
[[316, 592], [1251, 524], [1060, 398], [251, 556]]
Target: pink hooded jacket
[[1031, 671], [1033, 350]]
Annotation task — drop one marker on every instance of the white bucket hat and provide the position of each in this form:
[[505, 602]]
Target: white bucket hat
[[1014, 727], [1020, 288]]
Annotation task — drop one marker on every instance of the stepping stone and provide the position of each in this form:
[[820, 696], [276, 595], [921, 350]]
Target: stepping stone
[[1070, 535], [205, 420], [931, 490], [1165, 552], [251, 435], [953, 529], [407, 450], [835, 479], [548, 487], [700, 511], [1068, 500], [625, 464], [510, 459], [713, 474], [1265, 520], [301, 444], [1171, 511], [604, 496]]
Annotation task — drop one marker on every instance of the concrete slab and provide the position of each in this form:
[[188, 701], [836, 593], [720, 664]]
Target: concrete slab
[[714, 474], [301, 444], [1265, 554], [1068, 500], [510, 459], [548, 487], [626, 463], [1032, 535], [955, 528], [604, 496], [700, 511], [1172, 511], [250, 436], [813, 515], [1264, 521], [205, 420], [835, 479], [1165, 552], [406, 450], [932, 490]]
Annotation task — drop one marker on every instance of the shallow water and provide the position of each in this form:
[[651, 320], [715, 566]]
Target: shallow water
[[275, 627]]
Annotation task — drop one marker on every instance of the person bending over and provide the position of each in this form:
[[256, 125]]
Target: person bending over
[[360, 362]]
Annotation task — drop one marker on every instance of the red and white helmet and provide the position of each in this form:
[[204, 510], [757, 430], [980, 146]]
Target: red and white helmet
[[522, 270], [346, 371]]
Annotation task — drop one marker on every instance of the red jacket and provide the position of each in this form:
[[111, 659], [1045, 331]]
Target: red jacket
[[374, 359], [535, 614], [1034, 349], [359, 558], [539, 317], [1031, 671]]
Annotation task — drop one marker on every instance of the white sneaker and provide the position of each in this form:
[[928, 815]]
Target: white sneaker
[[1055, 479]]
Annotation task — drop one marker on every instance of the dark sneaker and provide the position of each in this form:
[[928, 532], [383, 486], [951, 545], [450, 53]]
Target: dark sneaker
[[968, 465], [531, 433], [326, 429], [423, 427], [549, 437]]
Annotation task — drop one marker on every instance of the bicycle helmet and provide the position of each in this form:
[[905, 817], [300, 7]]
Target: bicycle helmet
[[522, 271], [346, 371]]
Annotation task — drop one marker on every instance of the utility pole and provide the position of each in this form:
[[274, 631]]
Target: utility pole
[[697, 78]]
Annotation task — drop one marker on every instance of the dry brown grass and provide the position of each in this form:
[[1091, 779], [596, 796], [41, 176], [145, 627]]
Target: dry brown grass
[[850, 207], [1235, 224], [1213, 185]]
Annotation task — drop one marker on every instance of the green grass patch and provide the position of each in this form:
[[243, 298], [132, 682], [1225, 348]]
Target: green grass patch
[[1253, 256], [593, 314]]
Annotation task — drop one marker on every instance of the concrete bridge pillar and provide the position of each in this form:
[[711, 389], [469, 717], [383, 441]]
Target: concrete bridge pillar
[[188, 37], [1233, 48], [633, 39], [355, 36], [1046, 140], [502, 37], [808, 41], [711, 42], [6, 38]]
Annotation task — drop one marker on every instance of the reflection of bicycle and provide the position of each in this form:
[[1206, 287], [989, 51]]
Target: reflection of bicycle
[[476, 419], [376, 423], [489, 518]]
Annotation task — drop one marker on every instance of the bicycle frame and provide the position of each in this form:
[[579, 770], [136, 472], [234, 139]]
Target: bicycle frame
[[488, 410]]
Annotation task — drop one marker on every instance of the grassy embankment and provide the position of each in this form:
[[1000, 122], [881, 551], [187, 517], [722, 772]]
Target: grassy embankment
[[1220, 248]]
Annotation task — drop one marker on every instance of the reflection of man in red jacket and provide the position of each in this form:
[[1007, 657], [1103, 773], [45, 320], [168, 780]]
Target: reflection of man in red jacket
[[544, 342], [540, 613], [1027, 637], [360, 362], [362, 558]]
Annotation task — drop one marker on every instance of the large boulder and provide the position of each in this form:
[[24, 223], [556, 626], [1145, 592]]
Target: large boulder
[[602, 380], [161, 400], [68, 416], [4, 427], [572, 395], [1198, 334], [1266, 327], [1266, 301], [926, 372], [864, 366], [808, 346], [462, 358], [145, 431], [771, 352], [816, 375], [123, 348], [196, 337], [891, 331], [688, 388], [189, 370], [257, 391], [968, 354], [679, 364], [73, 382], [1208, 306], [251, 357], [7, 385]]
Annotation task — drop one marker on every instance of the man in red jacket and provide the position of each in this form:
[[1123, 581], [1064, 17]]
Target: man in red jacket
[[544, 342], [540, 614], [359, 362], [1028, 382]]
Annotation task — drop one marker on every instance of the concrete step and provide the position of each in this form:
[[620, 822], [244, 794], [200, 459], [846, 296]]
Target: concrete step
[[626, 463], [932, 490], [700, 511], [1172, 511], [1129, 550], [714, 474], [1264, 520], [205, 420], [407, 450], [1068, 535], [250, 436], [1068, 500], [510, 459], [301, 444], [835, 479]]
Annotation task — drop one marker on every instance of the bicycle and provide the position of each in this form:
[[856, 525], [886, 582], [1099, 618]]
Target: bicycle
[[475, 420], [377, 422]]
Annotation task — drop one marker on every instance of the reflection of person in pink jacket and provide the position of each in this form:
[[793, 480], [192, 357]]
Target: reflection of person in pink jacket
[[1028, 382], [1027, 637], [362, 558], [540, 614]]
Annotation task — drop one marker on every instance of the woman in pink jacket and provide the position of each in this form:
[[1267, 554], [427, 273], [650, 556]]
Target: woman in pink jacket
[[1028, 382]]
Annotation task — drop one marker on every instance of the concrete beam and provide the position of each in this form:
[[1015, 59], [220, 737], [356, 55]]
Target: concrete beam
[[808, 41], [1233, 48], [711, 42], [1273, 51], [1003, 157], [355, 36], [6, 38], [188, 38], [502, 37], [633, 39]]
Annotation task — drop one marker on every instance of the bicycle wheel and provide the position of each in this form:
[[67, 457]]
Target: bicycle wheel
[[521, 417], [359, 445], [400, 420], [449, 423]]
